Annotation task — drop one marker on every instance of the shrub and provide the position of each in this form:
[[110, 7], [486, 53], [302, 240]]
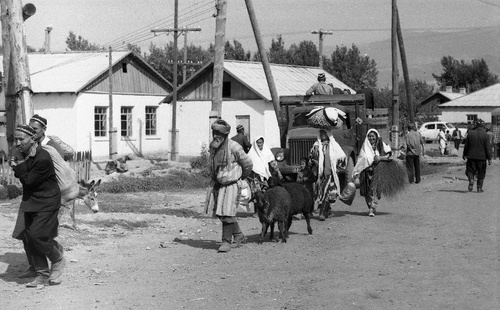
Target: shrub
[[13, 191], [202, 162], [4, 193]]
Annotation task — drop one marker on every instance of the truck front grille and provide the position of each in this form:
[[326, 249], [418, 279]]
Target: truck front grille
[[299, 149]]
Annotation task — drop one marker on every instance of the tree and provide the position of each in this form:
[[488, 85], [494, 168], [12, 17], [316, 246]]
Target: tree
[[474, 76], [351, 68], [134, 48], [304, 54], [75, 43], [277, 53]]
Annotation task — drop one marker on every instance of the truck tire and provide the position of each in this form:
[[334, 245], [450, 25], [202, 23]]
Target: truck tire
[[346, 176]]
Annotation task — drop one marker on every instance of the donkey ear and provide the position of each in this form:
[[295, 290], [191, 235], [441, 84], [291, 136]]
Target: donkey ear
[[98, 183], [92, 183]]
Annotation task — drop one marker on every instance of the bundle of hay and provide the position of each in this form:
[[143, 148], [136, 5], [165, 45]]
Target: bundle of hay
[[326, 118], [390, 178]]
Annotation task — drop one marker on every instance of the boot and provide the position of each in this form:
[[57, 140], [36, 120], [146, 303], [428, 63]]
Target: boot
[[39, 280], [30, 273], [471, 184], [480, 185], [58, 261], [321, 212], [227, 234], [238, 236]]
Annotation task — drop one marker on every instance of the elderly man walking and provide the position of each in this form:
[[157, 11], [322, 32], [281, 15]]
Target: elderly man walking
[[477, 151], [229, 164], [40, 203], [413, 146]]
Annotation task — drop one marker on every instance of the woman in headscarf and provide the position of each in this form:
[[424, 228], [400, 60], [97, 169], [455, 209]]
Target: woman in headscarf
[[442, 141], [327, 155], [264, 163], [372, 152]]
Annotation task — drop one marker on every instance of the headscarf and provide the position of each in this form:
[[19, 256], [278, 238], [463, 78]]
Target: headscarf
[[261, 158], [335, 153], [367, 153]]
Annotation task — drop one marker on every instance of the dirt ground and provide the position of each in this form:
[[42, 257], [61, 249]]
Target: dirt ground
[[434, 247]]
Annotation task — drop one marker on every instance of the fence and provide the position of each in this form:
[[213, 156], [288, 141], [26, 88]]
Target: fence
[[81, 163]]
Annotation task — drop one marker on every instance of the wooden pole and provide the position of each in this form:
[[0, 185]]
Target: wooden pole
[[112, 130], [406, 75], [321, 33], [18, 93], [395, 81], [218, 73], [173, 146]]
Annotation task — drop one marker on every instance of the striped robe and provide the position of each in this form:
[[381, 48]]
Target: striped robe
[[227, 196]]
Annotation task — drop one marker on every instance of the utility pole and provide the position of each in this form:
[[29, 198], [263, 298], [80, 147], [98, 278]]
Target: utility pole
[[406, 76], [174, 154], [18, 101], [184, 65], [46, 44], [113, 137], [395, 82], [321, 33], [218, 73]]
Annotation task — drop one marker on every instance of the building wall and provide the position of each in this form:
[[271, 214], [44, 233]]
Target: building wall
[[194, 128], [72, 119], [459, 115]]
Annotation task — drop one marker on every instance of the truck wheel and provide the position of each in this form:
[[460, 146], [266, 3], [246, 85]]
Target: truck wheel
[[346, 177]]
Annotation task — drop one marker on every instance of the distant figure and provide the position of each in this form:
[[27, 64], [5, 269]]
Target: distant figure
[[457, 137], [448, 136], [492, 141], [320, 88], [441, 139], [368, 92], [242, 139], [477, 151], [413, 146], [496, 141]]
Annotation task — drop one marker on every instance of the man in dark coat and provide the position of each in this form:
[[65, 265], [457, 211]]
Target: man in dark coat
[[242, 139], [477, 151], [40, 203]]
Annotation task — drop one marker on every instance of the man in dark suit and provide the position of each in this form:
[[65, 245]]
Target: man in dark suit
[[40, 204], [241, 138]]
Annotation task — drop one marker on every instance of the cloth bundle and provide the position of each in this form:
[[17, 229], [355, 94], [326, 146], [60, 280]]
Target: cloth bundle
[[326, 118], [390, 178], [348, 193]]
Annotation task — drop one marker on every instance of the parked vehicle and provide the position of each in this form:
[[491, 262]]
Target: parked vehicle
[[430, 130], [300, 136]]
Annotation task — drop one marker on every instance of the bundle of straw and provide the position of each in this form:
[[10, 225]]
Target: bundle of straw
[[390, 178]]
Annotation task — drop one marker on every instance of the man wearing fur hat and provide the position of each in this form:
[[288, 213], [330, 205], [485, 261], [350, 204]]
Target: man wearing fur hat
[[40, 204], [320, 88], [228, 165], [477, 151], [242, 139], [40, 125]]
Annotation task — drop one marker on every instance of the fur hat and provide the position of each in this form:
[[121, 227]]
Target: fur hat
[[321, 76], [221, 126], [30, 131], [38, 118]]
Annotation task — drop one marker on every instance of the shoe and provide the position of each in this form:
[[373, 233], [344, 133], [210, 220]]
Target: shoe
[[371, 213], [225, 247], [471, 187], [480, 190], [239, 239], [39, 280], [321, 217], [57, 269], [30, 273]]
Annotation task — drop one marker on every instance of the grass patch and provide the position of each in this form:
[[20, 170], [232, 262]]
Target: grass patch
[[128, 225]]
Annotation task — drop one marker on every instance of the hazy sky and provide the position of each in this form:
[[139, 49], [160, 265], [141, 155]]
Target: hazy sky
[[113, 22]]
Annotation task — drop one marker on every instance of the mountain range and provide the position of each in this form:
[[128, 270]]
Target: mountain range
[[424, 51]]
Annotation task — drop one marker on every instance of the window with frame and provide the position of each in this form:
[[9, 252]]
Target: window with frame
[[151, 121], [471, 118], [100, 121], [126, 121]]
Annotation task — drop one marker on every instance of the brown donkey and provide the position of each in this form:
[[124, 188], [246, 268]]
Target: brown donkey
[[86, 192]]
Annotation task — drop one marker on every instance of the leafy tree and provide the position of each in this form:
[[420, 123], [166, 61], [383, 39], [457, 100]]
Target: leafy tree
[[475, 75], [277, 53], [304, 54], [75, 43], [351, 68], [134, 48]]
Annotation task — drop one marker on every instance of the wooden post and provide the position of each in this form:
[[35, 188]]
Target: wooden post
[[18, 101], [395, 82], [406, 75], [321, 33], [112, 130], [173, 147], [218, 73]]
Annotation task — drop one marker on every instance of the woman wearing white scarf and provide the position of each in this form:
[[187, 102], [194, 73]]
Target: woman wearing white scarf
[[372, 151], [264, 164], [328, 184], [442, 141]]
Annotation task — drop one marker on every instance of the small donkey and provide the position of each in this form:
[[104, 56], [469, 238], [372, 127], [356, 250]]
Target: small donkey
[[86, 192]]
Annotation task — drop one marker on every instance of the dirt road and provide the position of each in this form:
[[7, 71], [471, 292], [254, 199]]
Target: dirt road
[[436, 247]]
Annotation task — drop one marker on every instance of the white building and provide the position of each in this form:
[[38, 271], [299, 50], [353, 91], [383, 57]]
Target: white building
[[71, 90], [478, 104], [246, 101]]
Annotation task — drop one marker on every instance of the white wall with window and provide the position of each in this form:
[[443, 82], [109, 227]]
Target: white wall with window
[[466, 115]]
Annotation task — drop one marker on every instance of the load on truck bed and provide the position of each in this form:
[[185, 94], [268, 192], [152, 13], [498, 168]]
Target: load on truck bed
[[298, 136]]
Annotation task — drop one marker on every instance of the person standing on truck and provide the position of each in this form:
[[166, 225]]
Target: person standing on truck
[[368, 92], [320, 88], [327, 155], [372, 152]]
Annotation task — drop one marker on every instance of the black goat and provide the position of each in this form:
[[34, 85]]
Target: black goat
[[273, 206]]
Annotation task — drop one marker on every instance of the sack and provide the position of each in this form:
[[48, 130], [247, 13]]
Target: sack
[[230, 175], [66, 177], [244, 196], [69, 152], [348, 194], [326, 118]]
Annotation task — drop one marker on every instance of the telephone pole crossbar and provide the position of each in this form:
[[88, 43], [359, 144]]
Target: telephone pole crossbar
[[321, 33]]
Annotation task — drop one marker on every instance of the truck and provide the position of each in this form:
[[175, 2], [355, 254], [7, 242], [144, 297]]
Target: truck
[[298, 137]]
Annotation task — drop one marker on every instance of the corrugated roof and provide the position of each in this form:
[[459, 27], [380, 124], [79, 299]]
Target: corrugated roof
[[486, 97], [289, 80], [451, 96]]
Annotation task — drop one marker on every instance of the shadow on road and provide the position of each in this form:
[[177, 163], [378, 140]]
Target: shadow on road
[[362, 213], [454, 191], [16, 262]]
